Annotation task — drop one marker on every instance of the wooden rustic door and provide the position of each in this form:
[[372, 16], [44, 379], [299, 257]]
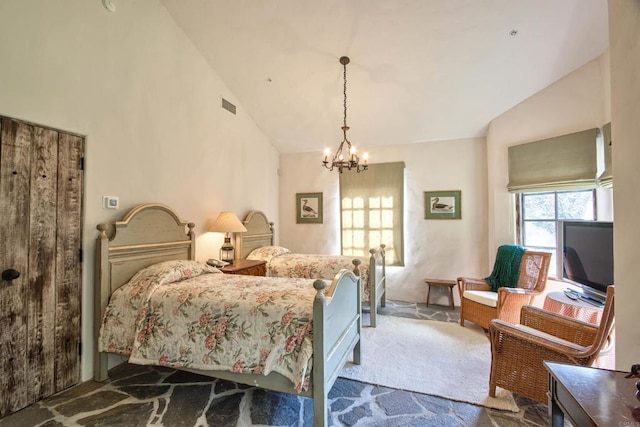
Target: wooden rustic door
[[40, 261]]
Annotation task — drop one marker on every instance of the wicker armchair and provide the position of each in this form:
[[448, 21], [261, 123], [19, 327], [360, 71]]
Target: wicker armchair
[[479, 304], [517, 351]]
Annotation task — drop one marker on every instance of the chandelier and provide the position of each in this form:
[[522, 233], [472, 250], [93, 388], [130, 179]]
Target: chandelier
[[352, 161]]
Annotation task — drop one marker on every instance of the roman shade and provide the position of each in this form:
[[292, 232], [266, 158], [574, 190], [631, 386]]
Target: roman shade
[[567, 162], [371, 207], [606, 177]]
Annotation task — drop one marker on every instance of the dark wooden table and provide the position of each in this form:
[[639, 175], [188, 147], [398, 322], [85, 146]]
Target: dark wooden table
[[446, 283], [591, 396], [246, 267]]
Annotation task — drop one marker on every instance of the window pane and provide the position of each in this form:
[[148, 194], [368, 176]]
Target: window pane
[[358, 203], [347, 221], [539, 206], [358, 239], [387, 219], [350, 252], [374, 202], [387, 202], [540, 233], [347, 238], [358, 219], [347, 203], [386, 236], [375, 239], [575, 205], [374, 219]]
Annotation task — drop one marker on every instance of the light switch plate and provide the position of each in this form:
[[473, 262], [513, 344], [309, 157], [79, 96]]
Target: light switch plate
[[110, 202]]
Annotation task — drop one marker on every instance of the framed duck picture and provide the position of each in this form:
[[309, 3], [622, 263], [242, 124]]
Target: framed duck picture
[[309, 208], [442, 204]]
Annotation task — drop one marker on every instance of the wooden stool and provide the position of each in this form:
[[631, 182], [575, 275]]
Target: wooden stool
[[440, 283]]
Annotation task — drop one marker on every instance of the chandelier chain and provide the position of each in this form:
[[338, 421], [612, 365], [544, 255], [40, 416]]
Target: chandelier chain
[[344, 92]]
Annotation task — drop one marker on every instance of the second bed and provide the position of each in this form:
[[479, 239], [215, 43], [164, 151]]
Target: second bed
[[257, 243]]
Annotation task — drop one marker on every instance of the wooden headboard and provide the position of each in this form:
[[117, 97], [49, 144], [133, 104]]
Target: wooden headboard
[[259, 233], [148, 234]]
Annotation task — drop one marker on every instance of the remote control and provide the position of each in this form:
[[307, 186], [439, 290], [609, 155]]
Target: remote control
[[571, 295]]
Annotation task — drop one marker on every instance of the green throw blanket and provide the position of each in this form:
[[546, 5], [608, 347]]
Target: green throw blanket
[[506, 268]]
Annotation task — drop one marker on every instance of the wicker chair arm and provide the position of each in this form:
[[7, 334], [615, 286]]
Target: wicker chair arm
[[471, 284], [500, 331], [519, 291], [510, 301], [566, 328]]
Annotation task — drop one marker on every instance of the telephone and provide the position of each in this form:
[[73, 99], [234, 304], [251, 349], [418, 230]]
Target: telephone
[[213, 262]]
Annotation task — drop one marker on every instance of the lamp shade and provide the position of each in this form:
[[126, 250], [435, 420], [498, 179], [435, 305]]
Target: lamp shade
[[227, 222]]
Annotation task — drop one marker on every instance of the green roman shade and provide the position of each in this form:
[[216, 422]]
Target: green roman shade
[[567, 162], [371, 208], [606, 177]]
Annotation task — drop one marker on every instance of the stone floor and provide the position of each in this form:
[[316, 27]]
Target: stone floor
[[147, 396]]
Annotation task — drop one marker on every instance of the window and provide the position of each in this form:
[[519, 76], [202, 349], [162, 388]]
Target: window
[[371, 207], [539, 214]]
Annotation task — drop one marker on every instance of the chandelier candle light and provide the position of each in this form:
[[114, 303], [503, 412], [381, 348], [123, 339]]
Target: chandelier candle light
[[227, 222], [338, 161]]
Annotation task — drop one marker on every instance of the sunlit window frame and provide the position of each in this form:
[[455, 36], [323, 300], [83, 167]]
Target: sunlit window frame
[[521, 214], [369, 232]]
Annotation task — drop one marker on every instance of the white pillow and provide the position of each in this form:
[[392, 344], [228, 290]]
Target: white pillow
[[172, 271], [266, 253]]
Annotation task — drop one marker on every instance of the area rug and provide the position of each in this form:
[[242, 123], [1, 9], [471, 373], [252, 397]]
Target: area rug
[[425, 356]]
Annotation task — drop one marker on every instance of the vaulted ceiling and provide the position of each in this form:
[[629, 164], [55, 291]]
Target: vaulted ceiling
[[420, 70]]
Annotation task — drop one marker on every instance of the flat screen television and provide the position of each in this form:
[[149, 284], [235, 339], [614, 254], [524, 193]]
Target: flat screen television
[[587, 256]]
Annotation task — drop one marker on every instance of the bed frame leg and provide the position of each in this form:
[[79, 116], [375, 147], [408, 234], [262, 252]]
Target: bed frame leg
[[373, 302], [372, 311], [320, 411], [383, 297], [100, 367], [318, 387], [356, 348]]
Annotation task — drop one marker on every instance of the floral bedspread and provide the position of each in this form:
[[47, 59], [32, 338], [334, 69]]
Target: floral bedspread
[[282, 263], [186, 315]]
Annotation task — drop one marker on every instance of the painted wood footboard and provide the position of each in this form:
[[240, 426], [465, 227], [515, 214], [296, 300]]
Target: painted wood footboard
[[377, 283], [153, 233]]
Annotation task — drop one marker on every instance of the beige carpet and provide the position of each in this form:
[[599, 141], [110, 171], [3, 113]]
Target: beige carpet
[[437, 358]]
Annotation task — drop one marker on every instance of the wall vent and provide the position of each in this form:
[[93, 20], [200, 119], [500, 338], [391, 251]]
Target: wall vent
[[228, 106]]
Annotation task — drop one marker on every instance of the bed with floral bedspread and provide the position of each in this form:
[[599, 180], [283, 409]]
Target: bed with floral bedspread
[[281, 262], [187, 314]]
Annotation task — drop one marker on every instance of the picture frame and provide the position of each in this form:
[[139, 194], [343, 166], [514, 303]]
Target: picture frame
[[309, 208], [443, 204]]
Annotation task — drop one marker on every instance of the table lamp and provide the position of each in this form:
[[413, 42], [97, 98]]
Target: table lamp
[[227, 222]]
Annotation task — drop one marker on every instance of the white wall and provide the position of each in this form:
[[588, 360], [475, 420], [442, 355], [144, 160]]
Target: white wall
[[624, 34], [433, 248], [149, 106], [579, 101]]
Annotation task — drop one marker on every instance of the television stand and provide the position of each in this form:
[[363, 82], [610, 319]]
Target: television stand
[[574, 306]]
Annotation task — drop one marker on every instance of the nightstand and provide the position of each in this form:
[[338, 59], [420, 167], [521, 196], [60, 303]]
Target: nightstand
[[246, 267]]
